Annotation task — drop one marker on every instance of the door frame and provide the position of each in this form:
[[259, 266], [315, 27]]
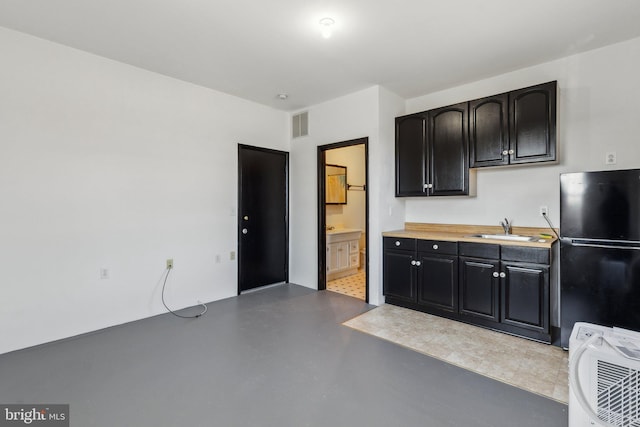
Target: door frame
[[322, 210], [239, 213]]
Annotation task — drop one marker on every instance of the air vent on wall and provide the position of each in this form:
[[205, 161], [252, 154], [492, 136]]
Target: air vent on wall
[[300, 125]]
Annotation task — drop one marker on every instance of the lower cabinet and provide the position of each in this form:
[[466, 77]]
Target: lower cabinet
[[337, 256], [438, 275], [480, 289], [525, 296], [501, 287], [422, 271], [399, 272]]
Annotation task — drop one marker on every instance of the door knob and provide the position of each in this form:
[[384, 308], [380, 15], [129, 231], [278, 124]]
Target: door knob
[[496, 274], [413, 262], [503, 275], [245, 231]]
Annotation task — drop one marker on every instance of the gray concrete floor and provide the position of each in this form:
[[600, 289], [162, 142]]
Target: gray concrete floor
[[275, 357]]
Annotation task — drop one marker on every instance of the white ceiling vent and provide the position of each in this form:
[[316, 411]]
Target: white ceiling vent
[[300, 125]]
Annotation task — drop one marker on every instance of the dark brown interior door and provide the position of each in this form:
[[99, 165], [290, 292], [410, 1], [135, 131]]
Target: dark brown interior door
[[263, 238]]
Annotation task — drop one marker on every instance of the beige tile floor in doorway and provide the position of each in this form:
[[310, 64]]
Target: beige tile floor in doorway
[[354, 285], [533, 366]]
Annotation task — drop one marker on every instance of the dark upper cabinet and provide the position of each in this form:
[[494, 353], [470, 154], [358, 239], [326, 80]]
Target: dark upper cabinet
[[432, 151], [533, 124], [513, 128], [489, 131], [448, 149], [411, 133]]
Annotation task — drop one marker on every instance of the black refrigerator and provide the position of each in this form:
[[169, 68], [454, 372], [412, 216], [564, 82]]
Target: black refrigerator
[[599, 249]]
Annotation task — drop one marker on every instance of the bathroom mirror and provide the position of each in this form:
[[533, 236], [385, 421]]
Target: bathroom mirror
[[336, 184]]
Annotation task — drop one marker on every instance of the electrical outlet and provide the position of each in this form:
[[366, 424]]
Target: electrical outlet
[[104, 273], [544, 210], [232, 255], [170, 263], [611, 158]]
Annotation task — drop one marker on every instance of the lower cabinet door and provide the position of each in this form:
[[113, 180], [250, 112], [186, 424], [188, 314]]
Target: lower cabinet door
[[399, 275], [480, 288], [525, 296], [438, 281], [337, 256]]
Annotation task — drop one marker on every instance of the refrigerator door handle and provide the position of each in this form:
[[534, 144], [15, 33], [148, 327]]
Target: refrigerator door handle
[[599, 245]]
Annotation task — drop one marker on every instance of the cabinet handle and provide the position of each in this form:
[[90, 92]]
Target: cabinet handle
[[496, 274], [429, 185], [413, 262], [503, 275], [511, 151], [505, 152], [435, 247], [417, 263], [397, 242]]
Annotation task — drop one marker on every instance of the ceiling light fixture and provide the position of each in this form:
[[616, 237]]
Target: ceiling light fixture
[[327, 27], [282, 96]]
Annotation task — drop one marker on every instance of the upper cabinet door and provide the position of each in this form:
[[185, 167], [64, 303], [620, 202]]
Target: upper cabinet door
[[448, 150], [489, 131], [411, 170], [533, 124]]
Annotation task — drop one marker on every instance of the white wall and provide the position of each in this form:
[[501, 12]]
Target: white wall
[[346, 118], [597, 113], [103, 165], [387, 211]]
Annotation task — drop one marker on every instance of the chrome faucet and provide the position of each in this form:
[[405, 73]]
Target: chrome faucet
[[506, 226]]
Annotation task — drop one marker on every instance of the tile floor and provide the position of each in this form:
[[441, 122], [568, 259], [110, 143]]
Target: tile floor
[[354, 285], [536, 367]]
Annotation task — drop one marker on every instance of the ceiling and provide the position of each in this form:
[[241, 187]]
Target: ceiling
[[256, 49]]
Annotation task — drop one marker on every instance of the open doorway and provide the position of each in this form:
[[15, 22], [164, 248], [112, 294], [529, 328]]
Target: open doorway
[[343, 218]]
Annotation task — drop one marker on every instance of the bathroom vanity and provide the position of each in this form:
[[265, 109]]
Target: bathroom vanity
[[343, 252]]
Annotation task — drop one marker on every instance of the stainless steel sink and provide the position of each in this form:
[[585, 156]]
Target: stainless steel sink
[[512, 237]]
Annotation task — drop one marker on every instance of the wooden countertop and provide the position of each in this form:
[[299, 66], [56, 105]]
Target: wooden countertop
[[464, 233]]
